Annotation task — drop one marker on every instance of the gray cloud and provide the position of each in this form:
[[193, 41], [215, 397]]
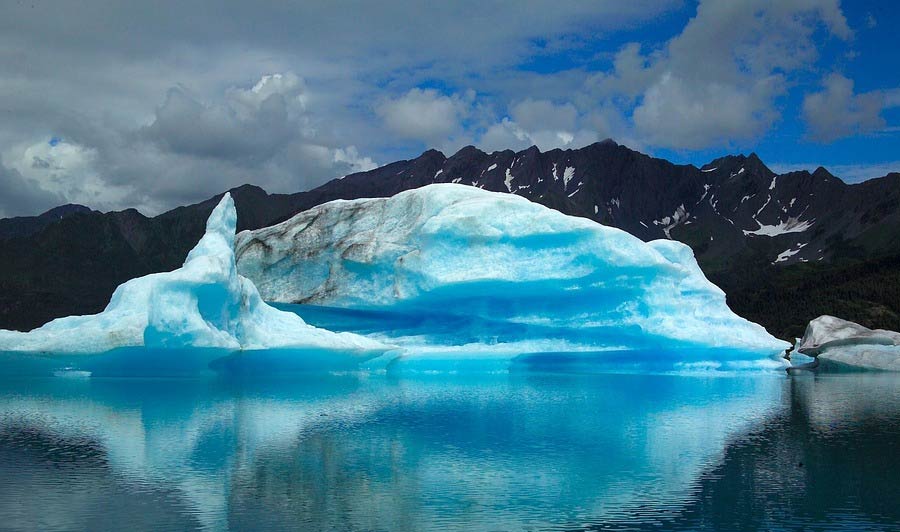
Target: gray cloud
[[543, 123], [543, 114], [20, 196], [370, 33], [189, 127], [425, 115], [716, 82], [250, 125], [168, 103], [836, 111]]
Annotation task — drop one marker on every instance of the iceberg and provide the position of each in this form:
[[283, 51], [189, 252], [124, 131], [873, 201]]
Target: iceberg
[[205, 307], [839, 344], [509, 274]]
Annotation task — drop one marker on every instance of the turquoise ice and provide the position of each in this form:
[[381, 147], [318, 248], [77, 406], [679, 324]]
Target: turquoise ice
[[453, 272], [200, 312]]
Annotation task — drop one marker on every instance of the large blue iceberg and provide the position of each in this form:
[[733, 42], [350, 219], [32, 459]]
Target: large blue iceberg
[[512, 275], [437, 278], [204, 306]]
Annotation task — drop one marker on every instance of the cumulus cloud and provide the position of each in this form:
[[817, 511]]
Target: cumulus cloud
[[56, 169], [676, 113], [716, 82], [542, 123], [631, 73], [425, 114], [20, 196], [187, 126], [836, 111], [158, 111], [174, 111], [266, 134], [535, 115], [350, 158], [261, 132], [247, 124]]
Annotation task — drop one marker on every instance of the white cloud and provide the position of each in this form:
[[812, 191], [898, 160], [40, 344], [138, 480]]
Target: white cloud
[[717, 81], [631, 74], [836, 111], [171, 112], [350, 157], [541, 123], [264, 133], [58, 169], [507, 134], [21, 196], [891, 98], [676, 113], [535, 115], [175, 111], [425, 114], [288, 85]]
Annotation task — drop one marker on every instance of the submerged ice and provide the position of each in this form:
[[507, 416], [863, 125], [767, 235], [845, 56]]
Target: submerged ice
[[511, 274], [203, 304]]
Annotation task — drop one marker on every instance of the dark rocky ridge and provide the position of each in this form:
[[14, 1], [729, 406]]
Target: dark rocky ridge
[[767, 239], [23, 226]]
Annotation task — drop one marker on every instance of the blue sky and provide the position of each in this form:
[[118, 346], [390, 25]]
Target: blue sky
[[153, 106]]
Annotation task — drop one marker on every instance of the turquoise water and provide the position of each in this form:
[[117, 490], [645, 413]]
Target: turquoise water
[[480, 441], [520, 451]]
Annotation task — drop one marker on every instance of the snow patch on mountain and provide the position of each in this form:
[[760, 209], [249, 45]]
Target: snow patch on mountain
[[761, 209], [670, 222], [791, 225], [788, 253], [508, 180], [568, 174]]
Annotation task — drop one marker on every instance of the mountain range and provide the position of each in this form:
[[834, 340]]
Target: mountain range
[[786, 248]]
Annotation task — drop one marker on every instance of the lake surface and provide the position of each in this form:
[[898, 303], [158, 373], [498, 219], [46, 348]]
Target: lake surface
[[509, 451]]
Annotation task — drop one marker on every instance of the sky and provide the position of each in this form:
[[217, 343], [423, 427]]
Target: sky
[[157, 104]]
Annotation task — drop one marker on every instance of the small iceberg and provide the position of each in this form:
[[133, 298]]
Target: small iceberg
[[188, 317], [839, 344], [510, 275]]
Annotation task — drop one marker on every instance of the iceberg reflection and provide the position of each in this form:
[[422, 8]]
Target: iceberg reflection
[[378, 452]]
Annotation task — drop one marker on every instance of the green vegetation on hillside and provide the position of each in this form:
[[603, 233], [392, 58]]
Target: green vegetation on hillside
[[785, 298]]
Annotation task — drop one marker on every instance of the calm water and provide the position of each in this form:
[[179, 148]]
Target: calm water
[[502, 452]]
